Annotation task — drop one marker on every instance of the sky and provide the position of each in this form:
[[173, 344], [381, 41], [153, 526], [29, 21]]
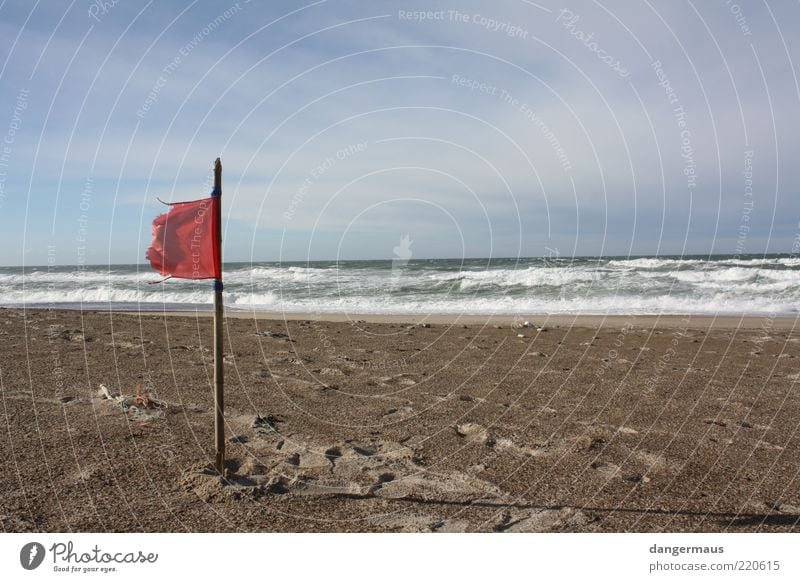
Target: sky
[[475, 129]]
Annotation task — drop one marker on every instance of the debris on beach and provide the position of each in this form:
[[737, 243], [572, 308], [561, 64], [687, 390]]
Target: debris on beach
[[275, 334], [139, 406], [268, 423]]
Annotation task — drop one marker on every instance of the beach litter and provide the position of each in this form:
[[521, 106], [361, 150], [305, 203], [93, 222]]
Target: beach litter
[[139, 406], [274, 334], [267, 423]]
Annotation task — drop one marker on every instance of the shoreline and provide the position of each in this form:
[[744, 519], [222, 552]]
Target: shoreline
[[782, 322]]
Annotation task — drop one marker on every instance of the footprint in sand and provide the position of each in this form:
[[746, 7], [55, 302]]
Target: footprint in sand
[[503, 444], [444, 485], [315, 459], [398, 380], [606, 469], [464, 398], [769, 446], [329, 372], [127, 345], [370, 469], [472, 432], [399, 412], [627, 430], [638, 478], [654, 462], [59, 332]]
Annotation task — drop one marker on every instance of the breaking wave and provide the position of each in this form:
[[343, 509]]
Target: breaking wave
[[656, 285]]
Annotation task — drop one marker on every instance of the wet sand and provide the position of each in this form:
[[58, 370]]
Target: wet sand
[[402, 424]]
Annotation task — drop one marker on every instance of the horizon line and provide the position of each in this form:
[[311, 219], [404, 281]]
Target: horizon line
[[550, 257]]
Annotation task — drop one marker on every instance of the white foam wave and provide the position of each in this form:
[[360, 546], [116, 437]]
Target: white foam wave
[[721, 304], [646, 285], [82, 277], [652, 263], [104, 295], [729, 275], [784, 261], [530, 277], [252, 299]]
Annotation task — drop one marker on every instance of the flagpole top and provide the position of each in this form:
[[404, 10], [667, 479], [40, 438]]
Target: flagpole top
[[217, 178]]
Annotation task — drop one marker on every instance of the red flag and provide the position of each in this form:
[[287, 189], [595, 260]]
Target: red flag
[[185, 240]]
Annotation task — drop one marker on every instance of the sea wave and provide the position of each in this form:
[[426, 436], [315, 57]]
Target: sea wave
[[653, 263], [723, 285]]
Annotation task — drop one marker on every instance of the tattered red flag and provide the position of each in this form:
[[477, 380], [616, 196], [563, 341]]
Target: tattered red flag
[[185, 240]]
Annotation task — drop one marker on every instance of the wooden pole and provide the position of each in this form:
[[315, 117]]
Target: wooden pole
[[219, 399]]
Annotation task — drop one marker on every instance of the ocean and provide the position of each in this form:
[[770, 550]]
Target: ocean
[[713, 285]]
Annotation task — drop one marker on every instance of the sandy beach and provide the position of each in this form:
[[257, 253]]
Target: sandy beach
[[413, 424]]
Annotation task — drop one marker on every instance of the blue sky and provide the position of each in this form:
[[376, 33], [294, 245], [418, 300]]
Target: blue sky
[[478, 129]]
